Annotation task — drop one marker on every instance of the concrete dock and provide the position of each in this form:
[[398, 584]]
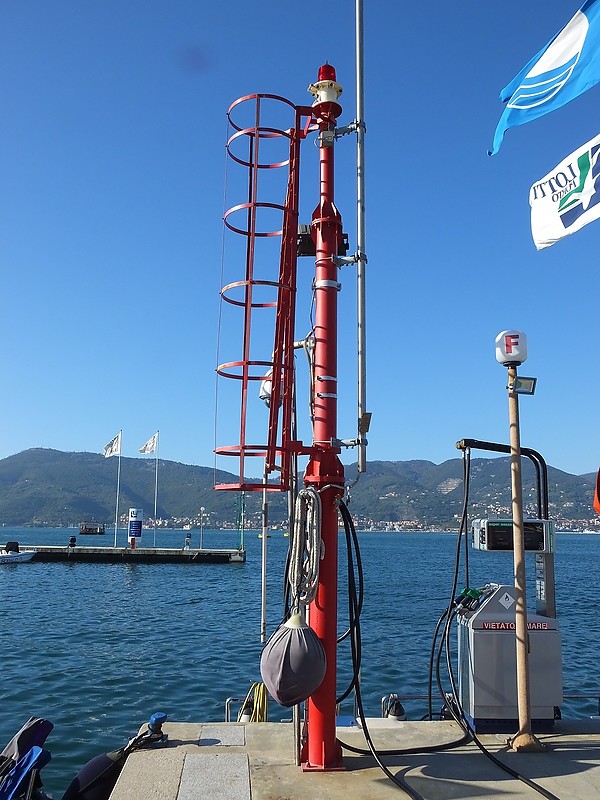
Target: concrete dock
[[256, 761], [140, 555]]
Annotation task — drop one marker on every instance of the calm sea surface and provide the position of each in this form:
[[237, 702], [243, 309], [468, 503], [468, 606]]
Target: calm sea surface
[[97, 648]]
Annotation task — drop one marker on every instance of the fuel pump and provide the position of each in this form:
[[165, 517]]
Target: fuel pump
[[487, 664]]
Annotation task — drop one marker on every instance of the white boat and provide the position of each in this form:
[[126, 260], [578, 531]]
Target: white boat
[[12, 555]]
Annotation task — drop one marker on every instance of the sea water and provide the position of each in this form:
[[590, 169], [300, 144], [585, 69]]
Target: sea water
[[97, 648]]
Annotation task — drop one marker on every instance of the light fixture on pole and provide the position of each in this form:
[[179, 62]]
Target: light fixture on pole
[[511, 352], [524, 385]]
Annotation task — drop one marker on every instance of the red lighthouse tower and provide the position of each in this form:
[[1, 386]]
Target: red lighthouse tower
[[274, 369], [325, 471]]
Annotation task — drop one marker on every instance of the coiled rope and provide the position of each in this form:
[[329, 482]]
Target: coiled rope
[[256, 704], [305, 549]]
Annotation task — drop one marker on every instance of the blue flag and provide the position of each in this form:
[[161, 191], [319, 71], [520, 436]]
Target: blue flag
[[565, 68]]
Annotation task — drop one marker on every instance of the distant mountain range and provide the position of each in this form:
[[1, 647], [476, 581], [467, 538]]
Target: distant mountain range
[[53, 488]]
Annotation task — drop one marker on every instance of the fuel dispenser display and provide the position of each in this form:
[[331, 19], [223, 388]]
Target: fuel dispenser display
[[497, 534], [487, 664]]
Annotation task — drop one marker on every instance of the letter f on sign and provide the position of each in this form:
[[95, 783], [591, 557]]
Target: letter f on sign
[[510, 341]]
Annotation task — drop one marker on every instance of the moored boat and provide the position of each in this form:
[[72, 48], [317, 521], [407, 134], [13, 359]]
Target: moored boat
[[11, 554], [91, 528]]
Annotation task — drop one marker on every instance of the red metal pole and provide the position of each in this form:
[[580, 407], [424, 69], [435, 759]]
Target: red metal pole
[[324, 470]]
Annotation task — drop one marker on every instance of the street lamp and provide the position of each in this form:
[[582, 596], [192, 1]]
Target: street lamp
[[202, 510]]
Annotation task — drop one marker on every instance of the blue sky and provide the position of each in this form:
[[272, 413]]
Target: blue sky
[[112, 170]]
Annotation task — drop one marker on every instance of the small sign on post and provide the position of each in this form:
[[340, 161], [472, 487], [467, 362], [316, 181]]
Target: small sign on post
[[134, 527], [511, 348]]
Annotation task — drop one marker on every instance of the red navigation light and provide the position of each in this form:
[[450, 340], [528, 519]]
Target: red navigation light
[[326, 73]]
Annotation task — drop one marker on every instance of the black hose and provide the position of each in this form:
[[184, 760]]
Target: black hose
[[354, 609], [355, 599], [454, 705], [463, 519], [353, 552], [432, 653], [444, 616], [463, 722]]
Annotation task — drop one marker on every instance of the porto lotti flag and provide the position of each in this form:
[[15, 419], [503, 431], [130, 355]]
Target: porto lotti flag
[[150, 445], [113, 448], [566, 199], [565, 68], [597, 494]]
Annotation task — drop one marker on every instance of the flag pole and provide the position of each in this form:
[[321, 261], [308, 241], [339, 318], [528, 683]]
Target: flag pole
[[118, 487], [155, 485]]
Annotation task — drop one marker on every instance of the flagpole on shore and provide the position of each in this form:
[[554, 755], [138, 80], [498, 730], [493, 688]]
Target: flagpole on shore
[[117, 498], [151, 446], [155, 485], [113, 448]]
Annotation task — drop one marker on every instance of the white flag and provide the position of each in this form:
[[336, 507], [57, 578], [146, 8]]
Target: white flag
[[113, 448], [566, 199], [150, 445]]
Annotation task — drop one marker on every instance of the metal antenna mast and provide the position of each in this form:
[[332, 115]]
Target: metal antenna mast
[[364, 418]]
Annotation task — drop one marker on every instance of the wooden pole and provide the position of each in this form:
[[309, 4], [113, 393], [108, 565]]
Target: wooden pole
[[524, 740]]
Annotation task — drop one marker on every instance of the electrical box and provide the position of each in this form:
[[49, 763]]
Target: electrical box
[[497, 534]]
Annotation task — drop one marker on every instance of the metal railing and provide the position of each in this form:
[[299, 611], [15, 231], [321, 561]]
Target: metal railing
[[411, 697]]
